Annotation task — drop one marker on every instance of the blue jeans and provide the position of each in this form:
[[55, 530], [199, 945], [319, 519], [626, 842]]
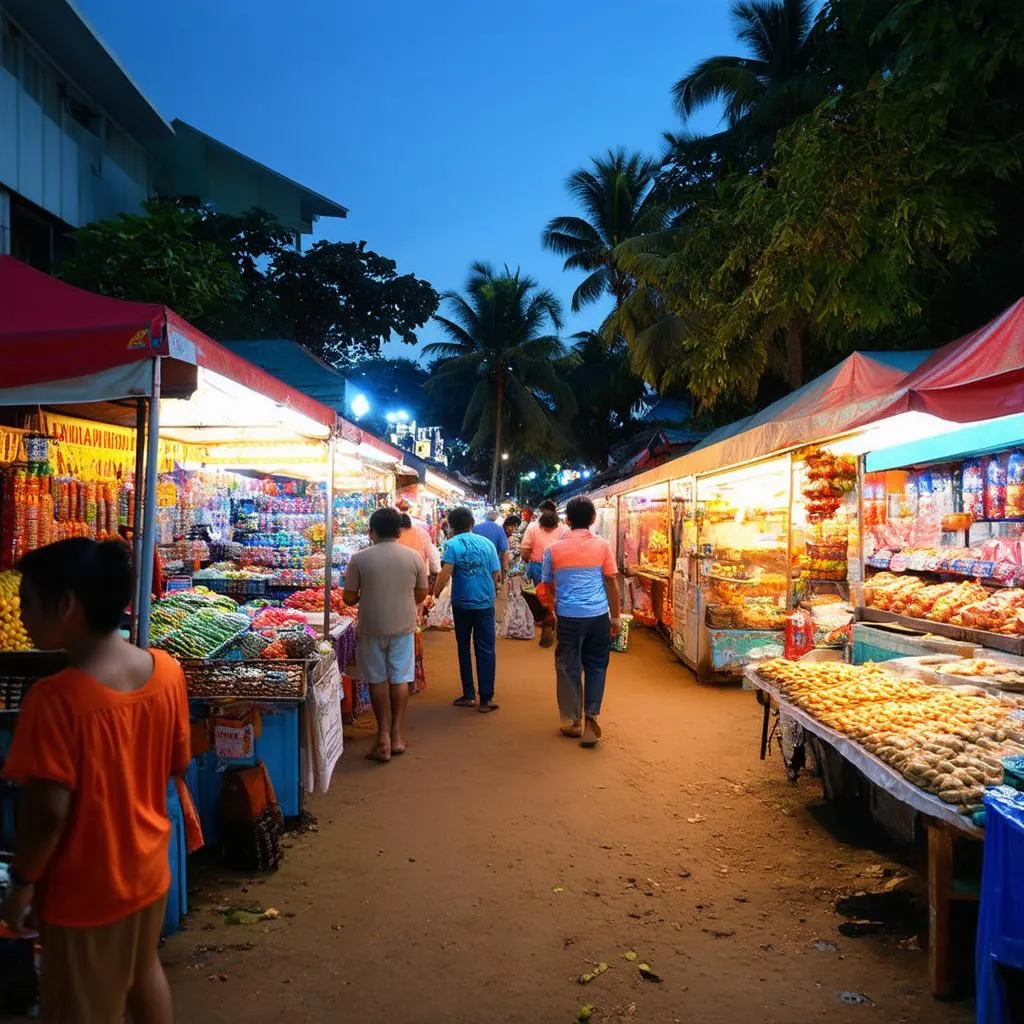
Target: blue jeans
[[581, 665], [475, 627]]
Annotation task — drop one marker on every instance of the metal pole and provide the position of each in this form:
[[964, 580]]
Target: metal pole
[[329, 538], [140, 451], [149, 510]]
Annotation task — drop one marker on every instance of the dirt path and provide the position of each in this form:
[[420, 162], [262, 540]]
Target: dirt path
[[475, 879]]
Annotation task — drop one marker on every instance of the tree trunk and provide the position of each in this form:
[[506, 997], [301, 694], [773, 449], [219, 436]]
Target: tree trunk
[[499, 415], [793, 334]]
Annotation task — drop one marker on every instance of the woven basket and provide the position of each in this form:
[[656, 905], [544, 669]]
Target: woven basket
[[246, 680]]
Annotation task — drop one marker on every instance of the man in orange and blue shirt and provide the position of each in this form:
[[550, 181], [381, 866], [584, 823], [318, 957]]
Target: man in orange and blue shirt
[[580, 570]]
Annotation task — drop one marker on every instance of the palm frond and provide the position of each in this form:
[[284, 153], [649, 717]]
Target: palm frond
[[590, 290]]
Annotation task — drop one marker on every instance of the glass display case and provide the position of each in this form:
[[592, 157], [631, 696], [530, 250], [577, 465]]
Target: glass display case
[[744, 565], [944, 543], [607, 523], [645, 533]]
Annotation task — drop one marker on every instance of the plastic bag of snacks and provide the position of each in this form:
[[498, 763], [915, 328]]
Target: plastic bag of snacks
[[799, 634], [620, 643]]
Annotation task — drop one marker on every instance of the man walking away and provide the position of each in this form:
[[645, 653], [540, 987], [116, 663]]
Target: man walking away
[[581, 571], [471, 563], [388, 582], [495, 533]]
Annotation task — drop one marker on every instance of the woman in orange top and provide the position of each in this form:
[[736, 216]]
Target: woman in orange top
[[94, 749]]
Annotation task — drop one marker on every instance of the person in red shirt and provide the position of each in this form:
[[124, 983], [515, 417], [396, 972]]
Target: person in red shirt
[[94, 750]]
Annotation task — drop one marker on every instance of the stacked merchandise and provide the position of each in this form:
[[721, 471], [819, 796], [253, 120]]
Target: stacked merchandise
[[950, 743]]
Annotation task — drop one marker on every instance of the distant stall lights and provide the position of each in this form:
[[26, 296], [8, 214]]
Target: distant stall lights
[[401, 416], [360, 406]]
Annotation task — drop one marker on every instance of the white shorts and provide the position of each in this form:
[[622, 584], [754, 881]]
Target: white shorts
[[387, 659]]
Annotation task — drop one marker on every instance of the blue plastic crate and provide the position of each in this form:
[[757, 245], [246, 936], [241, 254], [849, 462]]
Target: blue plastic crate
[[278, 749], [177, 895], [1001, 916]]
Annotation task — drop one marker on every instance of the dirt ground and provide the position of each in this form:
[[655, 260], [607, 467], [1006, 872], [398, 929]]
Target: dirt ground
[[478, 877]]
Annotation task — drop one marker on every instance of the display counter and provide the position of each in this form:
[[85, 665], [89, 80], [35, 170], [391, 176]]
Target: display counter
[[916, 734], [645, 546]]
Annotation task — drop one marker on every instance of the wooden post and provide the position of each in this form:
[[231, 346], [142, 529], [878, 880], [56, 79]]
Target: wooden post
[[940, 888]]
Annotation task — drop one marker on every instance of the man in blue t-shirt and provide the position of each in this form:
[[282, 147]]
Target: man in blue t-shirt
[[495, 533], [471, 563]]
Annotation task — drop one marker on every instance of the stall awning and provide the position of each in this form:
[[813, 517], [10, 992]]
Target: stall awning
[[850, 394], [60, 344], [977, 377]]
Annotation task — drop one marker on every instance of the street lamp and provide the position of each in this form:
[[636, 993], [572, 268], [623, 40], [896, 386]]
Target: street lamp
[[504, 463], [360, 406]]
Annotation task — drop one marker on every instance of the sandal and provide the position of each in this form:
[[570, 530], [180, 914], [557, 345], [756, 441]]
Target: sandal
[[464, 702], [486, 709]]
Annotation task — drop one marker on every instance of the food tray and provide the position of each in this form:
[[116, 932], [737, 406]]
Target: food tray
[[246, 680], [979, 637], [242, 629]]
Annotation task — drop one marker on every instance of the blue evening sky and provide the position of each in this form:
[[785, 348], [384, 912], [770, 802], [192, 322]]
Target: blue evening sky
[[447, 127]]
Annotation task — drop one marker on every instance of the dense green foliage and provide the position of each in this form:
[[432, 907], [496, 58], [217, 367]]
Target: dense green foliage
[[240, 277]]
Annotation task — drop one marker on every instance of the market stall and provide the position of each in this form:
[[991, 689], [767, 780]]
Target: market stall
[[924, 747], [154, 432], [645, 551]]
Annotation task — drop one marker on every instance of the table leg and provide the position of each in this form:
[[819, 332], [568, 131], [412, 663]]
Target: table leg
[[764, 726], [940, 886]]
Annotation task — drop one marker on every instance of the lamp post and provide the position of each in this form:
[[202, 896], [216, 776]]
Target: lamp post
[[504, 463]]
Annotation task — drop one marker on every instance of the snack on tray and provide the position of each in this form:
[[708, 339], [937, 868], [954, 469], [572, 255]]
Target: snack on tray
[[996, 613], [947, 742]]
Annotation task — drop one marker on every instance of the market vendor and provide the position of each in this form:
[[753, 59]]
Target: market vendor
[[93, 751]]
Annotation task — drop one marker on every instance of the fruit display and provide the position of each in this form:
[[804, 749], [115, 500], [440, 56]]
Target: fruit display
[[204, 633], [946, 742], [276, 617], [12, 631], [291, 645], [313, 601]]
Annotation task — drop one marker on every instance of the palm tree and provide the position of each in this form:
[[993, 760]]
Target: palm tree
[[765, 91], [618, 199], [499, 335]]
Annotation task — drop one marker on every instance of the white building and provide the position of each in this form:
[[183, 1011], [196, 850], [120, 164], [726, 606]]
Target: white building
[[80, 142]]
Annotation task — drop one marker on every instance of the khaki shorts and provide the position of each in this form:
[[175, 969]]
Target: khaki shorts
[[88, 972]]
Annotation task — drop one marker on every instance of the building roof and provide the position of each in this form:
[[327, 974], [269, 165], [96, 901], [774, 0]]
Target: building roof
[[196, 164], [59, 29]]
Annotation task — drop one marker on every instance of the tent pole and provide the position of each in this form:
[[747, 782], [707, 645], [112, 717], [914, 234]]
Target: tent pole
[[329, 538], [149, 509], [140, 451]]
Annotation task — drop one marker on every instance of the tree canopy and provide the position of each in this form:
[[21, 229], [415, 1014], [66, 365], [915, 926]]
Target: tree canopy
[[239, 277]]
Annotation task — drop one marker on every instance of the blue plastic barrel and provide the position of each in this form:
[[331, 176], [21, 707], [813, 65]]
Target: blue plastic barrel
[[1000, 951]]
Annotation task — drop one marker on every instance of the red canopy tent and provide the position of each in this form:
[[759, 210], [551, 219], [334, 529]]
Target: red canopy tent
[[59, 343], [977, 377]]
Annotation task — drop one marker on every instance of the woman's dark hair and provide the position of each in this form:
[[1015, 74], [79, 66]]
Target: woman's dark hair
[[547, 506], [406, 521], [548, 520], [386, 523], [512, 523], [99, 575], [581, 513], [460, 519]]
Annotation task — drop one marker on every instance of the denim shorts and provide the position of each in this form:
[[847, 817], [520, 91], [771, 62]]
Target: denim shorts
[[387, 659]]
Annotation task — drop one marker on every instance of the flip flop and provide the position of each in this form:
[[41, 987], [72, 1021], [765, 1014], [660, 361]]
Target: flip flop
[[464, 702], [486, 709]]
